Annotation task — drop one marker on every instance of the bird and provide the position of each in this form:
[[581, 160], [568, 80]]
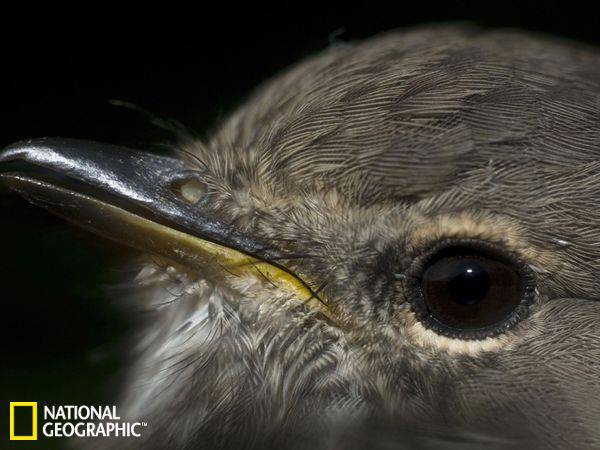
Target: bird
[[395, 243]]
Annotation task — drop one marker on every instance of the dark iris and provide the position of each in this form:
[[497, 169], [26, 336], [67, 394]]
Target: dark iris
[[465, 289]]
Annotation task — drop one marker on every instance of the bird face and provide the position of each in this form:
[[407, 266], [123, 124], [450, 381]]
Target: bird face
[[393, 244]]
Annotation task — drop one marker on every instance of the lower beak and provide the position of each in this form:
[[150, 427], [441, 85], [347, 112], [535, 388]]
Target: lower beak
[[149, 202]]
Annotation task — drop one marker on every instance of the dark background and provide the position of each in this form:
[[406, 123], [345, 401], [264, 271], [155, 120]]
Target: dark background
[[59, 325]]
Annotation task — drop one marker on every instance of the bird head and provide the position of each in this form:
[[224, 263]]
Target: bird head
[[393, 243]]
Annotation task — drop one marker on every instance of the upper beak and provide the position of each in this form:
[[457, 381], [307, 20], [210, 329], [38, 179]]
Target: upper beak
[[131, 196], [63, 173]]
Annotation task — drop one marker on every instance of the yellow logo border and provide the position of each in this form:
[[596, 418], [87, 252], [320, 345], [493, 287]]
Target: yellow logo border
[[18, 437]]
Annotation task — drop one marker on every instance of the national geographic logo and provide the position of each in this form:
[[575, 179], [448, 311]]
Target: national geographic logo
[[23, 421], [69, 421]]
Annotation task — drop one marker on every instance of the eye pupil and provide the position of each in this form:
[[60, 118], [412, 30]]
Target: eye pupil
[[468, 282]]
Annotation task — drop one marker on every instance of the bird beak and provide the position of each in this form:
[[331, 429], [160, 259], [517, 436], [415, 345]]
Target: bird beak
[[149, 202]]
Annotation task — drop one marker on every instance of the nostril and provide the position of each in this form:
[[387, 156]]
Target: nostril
[[190, 190]]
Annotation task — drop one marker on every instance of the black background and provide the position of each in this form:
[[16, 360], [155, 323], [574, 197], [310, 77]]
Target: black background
[[59, 71]]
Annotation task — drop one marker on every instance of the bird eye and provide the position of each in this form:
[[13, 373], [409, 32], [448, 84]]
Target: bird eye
[[471, 291]]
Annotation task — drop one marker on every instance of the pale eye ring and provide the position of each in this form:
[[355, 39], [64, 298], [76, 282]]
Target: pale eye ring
[[470, 289]]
